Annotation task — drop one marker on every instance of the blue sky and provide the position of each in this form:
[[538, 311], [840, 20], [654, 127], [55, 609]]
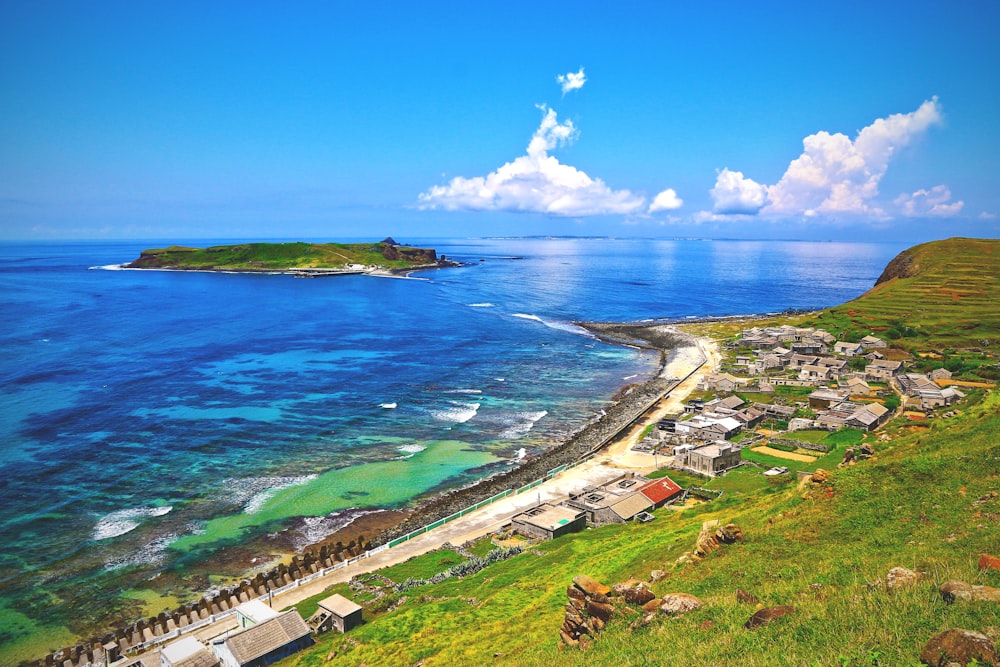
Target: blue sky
[[335, 119]]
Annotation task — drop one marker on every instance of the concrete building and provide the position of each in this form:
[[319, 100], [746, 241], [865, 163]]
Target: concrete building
[[713, 459], [335, 613], [547, 521], [187, 652], [263, 643]]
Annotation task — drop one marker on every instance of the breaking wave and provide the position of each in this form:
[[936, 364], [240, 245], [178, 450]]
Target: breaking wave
[[459, 413], [520, 423], [123, 521]]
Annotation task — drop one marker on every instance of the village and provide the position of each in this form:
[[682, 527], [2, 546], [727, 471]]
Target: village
[[770, 395]]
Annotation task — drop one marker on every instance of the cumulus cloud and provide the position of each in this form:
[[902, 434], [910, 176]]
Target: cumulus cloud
[[571, 81], [666, 201], [535, 183], [838, 176], [735, 194], [935, 203], [834, 175]]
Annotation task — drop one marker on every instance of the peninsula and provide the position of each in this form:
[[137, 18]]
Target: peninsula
[[300, 258]]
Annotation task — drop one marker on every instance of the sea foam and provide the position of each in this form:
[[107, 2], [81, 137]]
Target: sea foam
[[520, 423], [459, 413], [254, 492], [123, 521]]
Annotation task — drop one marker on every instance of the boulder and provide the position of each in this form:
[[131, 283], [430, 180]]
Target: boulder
[[657, 575], [600, 610], [957, 646], [675, 604], [820, 476], [636, 593], [729, 534], [590, 586], [959, 590], [767, 615], [900, 577], [988, 562]]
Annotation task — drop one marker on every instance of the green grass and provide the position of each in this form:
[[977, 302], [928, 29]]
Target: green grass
[[424, 566], [816, 550]]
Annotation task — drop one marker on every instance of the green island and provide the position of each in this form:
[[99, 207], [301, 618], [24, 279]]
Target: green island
[[299, 258], [928, 500]]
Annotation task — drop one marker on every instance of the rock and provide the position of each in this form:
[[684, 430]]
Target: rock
[[959, 646], [729, 533], [633, 593], [767, 615], [820, 476], [959, 590], [652, 605], [600, 610], [590, 586], [900, 577], [848, 456], [706, 625], [865, 450], [745, 598], [675, 604], [657, 575], [988, 562]]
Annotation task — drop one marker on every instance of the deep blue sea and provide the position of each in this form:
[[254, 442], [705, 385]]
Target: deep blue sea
[[150, 417]]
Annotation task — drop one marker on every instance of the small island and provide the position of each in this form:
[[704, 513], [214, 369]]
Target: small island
[[306, 260]]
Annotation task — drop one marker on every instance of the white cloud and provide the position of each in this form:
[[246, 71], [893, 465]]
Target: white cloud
[[666, 201], [571, 81], [935, 202], [986, 215], [734, 193], [835, 175], [535, 183]]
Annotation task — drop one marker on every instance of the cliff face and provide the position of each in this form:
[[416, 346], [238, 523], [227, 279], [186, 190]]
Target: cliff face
[[405, 253], [903, 265]]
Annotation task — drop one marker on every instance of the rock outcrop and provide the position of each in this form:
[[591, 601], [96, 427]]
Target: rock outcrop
[[768, 615], [959, 647], [959, 590]]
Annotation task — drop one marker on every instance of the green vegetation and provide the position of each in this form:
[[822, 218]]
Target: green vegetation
[[280, 256], [926, 501]]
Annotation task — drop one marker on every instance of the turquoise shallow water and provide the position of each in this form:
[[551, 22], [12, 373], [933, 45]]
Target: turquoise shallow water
[[150, 417]]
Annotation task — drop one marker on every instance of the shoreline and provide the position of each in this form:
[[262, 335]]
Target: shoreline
[[679, 352]]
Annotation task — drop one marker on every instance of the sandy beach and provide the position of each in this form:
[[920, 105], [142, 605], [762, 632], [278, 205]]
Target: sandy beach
[[690, 361]]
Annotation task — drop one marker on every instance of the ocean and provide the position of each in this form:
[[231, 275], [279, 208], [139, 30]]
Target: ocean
[[151, 419]]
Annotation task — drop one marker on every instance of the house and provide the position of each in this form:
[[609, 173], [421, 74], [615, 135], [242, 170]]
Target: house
[[547, 522], [187, 652], [662, 491], [774, 410], [263, 643], [868, 417], [728, 403], [807, 346], [874, 355], [837, 366], [823, 398], [871, 342], [712, 459], [913, 383], [335, 613], [616, 501], [855, 386], [709, 427], [882, 370], [799, 423], [817, 373], [940, 374], [800, 360], [749, 417], [848, 349]]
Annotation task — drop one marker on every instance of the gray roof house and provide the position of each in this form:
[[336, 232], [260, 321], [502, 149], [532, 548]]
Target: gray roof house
[[547, 522], [264, 643], [335, 613]]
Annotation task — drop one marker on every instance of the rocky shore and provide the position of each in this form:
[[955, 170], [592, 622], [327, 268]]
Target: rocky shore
[[630, 403]]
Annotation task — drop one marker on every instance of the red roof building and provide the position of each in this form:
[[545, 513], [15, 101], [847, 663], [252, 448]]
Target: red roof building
[[661, 491]]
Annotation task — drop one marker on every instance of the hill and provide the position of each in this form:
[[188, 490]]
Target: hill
[[285, 256], [928, 500]]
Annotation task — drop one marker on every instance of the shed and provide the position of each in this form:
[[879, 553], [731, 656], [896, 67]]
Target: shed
[[336, 613], [252, 612]]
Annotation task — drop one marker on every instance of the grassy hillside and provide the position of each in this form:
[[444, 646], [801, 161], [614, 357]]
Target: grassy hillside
[[929, 500], [942, 294], [276, 256]]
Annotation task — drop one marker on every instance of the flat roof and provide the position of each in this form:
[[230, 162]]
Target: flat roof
[[256, 611], [340, 605], [551, 517]]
